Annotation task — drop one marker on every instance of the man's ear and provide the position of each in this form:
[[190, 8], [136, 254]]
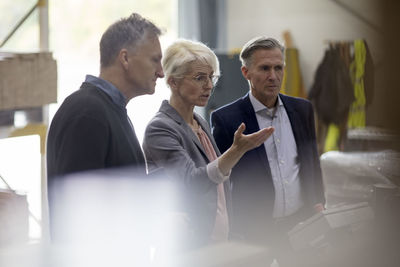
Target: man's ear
[[123, 58], [245, 72]]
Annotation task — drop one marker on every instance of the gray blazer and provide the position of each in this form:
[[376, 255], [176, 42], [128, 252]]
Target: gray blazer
[[170, 146]]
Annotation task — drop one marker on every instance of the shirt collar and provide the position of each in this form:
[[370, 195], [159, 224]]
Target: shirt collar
[[258, 106], [107, 87]]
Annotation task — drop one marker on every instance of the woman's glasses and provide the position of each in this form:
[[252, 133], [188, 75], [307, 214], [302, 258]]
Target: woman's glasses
[[202, 79]]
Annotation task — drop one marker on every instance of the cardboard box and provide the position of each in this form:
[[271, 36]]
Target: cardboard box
[[27, 80]]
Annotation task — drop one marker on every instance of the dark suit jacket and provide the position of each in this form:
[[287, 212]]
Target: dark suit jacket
[[171, 146], [251, 183]]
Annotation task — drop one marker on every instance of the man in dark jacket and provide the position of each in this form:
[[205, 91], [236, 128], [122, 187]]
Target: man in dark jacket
[[279, 183], [91, 129]]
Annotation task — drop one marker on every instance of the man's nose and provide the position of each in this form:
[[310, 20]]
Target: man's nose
[[272, 75], [160, 72]]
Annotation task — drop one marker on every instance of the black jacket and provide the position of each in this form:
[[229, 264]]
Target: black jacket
[[252, 187], [89, 132]]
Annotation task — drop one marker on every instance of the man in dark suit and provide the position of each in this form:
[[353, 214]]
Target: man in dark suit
[[278, 184]]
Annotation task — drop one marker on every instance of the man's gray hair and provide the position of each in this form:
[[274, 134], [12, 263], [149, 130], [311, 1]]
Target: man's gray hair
[[125, 33], [260, 42]]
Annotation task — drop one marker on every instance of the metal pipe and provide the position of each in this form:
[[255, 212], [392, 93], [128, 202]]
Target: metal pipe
[[18, 25]]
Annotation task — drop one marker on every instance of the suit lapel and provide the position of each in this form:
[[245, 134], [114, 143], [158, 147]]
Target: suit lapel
[[293, 118], [173, 114], [249, 118], [195, 139], [205, 128], [249, 115]]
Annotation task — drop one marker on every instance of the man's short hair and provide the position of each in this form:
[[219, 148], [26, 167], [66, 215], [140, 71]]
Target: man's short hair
[[125, 33], [256, 43]]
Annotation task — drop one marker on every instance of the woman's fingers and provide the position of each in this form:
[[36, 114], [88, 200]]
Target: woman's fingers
[[240, 129], [267, 132], [262, 135], [250, 141]]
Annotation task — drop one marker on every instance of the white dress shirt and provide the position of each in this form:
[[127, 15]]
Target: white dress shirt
[[282, 157]]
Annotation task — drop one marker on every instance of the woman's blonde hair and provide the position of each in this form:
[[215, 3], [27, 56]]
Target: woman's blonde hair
[[180, 54]]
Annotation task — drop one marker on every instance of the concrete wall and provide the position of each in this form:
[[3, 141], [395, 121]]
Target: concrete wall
[[312, 23]]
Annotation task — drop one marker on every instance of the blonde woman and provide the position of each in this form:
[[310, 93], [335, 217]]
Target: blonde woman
[[179, 142]]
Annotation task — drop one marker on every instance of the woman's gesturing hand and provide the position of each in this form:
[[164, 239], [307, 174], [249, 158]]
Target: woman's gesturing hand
[[241, 144], [245, 143]]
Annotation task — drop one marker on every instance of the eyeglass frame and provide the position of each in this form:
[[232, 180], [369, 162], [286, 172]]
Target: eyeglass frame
[[197, 78]]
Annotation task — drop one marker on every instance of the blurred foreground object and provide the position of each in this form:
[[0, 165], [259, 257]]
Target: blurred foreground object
[[14, 218], [340, 236], [232, 254], [360, 224], [316, 230], [112, 205], [349, 177], [220, 255], [115, 217]]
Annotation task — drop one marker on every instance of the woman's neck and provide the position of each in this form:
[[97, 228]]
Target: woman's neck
[[184, 110]]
